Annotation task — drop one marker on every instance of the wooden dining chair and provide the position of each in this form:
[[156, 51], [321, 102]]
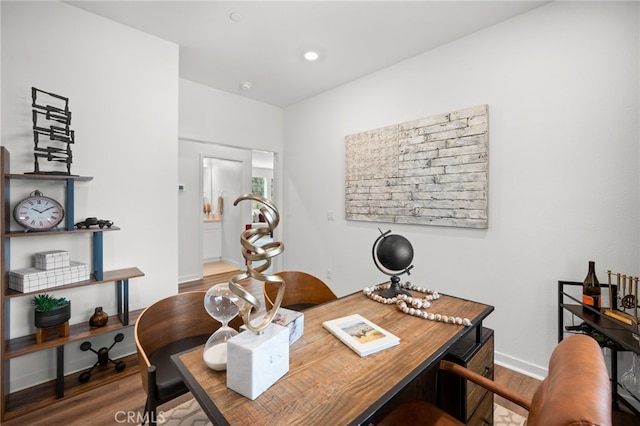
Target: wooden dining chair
[[169, 326], [302, 291], [576, 391]]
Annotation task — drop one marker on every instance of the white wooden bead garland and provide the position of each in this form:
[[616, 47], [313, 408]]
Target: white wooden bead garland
[[414, 305]]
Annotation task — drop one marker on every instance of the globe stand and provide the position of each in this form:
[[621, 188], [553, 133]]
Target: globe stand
[[394, 290], [392, 255]]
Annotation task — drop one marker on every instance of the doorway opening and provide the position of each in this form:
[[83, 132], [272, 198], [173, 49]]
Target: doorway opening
[[223, 181]]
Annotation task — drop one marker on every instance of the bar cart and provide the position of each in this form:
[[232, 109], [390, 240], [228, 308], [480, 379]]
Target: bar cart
[[608, 329]]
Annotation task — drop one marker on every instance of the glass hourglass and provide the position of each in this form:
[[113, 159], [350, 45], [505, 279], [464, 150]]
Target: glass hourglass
[[223, 305]]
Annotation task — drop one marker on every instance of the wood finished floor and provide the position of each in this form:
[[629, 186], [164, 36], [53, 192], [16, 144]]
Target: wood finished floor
[[214, 268], [122, 402]]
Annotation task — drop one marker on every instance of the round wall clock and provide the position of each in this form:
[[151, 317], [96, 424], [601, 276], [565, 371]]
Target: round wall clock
[[38, 213]]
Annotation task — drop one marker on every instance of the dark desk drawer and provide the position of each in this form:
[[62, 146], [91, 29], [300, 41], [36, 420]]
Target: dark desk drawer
[[483, 415], [481, 363], [465, 400]]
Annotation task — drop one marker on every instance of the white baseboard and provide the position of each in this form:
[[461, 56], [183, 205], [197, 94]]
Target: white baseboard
[[231, 262], [189, 278], [520, 366]]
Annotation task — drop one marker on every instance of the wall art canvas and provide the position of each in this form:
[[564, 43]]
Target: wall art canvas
[[431, 171]]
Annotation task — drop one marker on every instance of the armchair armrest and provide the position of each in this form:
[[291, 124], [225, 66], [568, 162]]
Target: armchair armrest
[[486, 383]]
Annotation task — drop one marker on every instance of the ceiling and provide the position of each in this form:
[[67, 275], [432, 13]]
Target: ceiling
[[265, 45]]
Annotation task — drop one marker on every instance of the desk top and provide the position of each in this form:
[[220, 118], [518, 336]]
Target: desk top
[[327, 382]]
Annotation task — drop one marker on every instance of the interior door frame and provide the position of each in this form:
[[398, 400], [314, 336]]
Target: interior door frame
[[191, 225]]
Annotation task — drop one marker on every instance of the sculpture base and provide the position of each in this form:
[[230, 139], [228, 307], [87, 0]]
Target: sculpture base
[[257, 361]]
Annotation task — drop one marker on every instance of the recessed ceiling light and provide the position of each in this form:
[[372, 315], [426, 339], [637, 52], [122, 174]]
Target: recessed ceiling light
[[235, 16], [311, 55], [246, 85]]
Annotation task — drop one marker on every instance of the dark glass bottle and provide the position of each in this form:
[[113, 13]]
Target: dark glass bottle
[[591, 288]]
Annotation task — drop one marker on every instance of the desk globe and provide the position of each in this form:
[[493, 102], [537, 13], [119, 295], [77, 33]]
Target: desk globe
[[223, 305], [393, 255]]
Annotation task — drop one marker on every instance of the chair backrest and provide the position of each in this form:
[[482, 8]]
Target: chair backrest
[[301, 289], [577, 390], [169, 320]]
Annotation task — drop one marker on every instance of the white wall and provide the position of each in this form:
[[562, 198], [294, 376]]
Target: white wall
[[214, 116], [222, 125], [561, 83], [123, 90]]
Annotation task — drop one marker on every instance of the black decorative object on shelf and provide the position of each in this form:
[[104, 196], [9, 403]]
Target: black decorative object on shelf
[[103, 357], [52, 122], [94, 221], [393, 255]]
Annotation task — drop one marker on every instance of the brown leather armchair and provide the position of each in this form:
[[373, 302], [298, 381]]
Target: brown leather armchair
[[576, 392]]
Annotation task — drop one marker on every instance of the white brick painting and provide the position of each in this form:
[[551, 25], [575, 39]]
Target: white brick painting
[[431, 171]]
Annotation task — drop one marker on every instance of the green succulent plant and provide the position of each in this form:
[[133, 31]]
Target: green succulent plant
[[45, 302]]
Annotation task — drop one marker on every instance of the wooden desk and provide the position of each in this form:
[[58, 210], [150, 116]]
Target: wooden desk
[[327, 382]]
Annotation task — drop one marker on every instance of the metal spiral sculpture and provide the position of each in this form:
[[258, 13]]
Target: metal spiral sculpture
[[253, 253]]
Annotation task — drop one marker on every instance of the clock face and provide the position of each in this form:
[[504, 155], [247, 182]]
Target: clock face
[[38, 213]]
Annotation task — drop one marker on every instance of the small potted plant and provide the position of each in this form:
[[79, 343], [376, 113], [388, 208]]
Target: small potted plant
[[50, 311]]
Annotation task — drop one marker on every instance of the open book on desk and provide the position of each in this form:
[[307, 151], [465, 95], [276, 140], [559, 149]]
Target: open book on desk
[[360, 334]]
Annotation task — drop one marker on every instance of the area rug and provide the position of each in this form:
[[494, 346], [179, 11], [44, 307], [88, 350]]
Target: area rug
[[505, 417], [186, 414], [190, 414]]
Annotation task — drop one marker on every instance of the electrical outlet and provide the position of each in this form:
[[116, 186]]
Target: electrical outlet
[[329, 274]]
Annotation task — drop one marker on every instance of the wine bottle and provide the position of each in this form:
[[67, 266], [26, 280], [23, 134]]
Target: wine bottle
[[591, 288]]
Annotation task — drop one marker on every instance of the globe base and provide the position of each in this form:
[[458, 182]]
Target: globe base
[[394, 290]]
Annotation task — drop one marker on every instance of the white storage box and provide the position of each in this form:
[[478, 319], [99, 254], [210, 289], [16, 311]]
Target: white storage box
[[34, 279], [52, 259]]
